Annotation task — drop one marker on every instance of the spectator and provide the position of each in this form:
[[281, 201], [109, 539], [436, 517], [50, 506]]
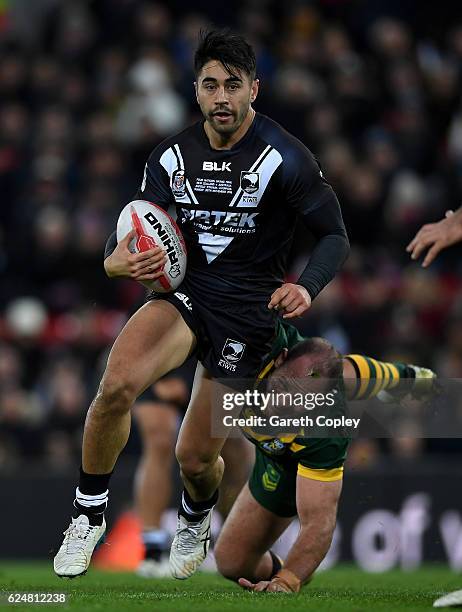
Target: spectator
[[88, 89]]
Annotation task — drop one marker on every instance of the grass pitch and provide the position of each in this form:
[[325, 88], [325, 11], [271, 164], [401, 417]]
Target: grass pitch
[[344, 589]]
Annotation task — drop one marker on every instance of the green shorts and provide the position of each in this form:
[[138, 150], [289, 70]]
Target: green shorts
[[273, 480]]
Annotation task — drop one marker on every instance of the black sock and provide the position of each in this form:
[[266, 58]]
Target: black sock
[[195, 511], [95, 513], [156, 543], [153, 552], [92, 496], [93, 484]]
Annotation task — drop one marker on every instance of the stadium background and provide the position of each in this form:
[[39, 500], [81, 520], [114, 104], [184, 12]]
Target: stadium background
[[88, 88]]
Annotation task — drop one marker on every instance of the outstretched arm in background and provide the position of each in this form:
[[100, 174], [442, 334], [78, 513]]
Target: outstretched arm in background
[[436, 236]]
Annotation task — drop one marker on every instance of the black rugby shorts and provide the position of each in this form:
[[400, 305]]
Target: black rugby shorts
[[233, 338]]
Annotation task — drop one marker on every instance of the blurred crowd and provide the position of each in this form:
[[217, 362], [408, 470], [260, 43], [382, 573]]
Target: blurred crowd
[[88, 88]]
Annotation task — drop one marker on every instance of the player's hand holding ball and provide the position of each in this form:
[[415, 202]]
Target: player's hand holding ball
[[144, 266], [150, 248], [292, 300]]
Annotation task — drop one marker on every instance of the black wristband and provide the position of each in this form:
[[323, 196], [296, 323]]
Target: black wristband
[[277, 564]]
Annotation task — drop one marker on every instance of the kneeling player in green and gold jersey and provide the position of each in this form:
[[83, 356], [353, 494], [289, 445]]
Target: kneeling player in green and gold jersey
[[294, 476]]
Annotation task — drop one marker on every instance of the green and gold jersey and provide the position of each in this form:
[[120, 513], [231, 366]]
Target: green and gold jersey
[[318, 458]]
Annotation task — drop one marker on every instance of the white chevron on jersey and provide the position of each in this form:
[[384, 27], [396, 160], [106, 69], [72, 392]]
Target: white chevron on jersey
[[188, 185], [171, 163], [213, 244], [238, 193], [143, 184], [180, 157], [266, 170]]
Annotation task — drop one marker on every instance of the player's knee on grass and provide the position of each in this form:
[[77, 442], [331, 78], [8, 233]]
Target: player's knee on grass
[[230, 563]]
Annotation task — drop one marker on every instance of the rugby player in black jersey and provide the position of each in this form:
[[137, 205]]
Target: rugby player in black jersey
[[240, 184]]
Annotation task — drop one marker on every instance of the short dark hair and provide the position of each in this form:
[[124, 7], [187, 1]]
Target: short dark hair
[[227, 47], [327, 361]]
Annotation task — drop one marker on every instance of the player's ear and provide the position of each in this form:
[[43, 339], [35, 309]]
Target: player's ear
[[280, 358], [254, 90], [195, 90]]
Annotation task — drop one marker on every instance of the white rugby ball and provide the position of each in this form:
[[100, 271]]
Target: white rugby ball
[[154, 227]]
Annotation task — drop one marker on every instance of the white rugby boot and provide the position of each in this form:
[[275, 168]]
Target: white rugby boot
[[450, 600], [190, 546], [80, 540]]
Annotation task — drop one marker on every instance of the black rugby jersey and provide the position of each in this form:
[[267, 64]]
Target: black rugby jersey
[[237, 208]]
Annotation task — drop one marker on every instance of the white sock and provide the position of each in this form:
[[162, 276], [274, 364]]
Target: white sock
[[90, 501], [189, 510]]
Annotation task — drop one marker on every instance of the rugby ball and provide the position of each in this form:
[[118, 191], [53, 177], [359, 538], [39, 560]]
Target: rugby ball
[[154, 227]]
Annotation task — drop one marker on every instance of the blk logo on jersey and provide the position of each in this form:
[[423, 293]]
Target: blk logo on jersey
[[178, 183], [232, 352], [216, 167], [185, 299], [250, 181]]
